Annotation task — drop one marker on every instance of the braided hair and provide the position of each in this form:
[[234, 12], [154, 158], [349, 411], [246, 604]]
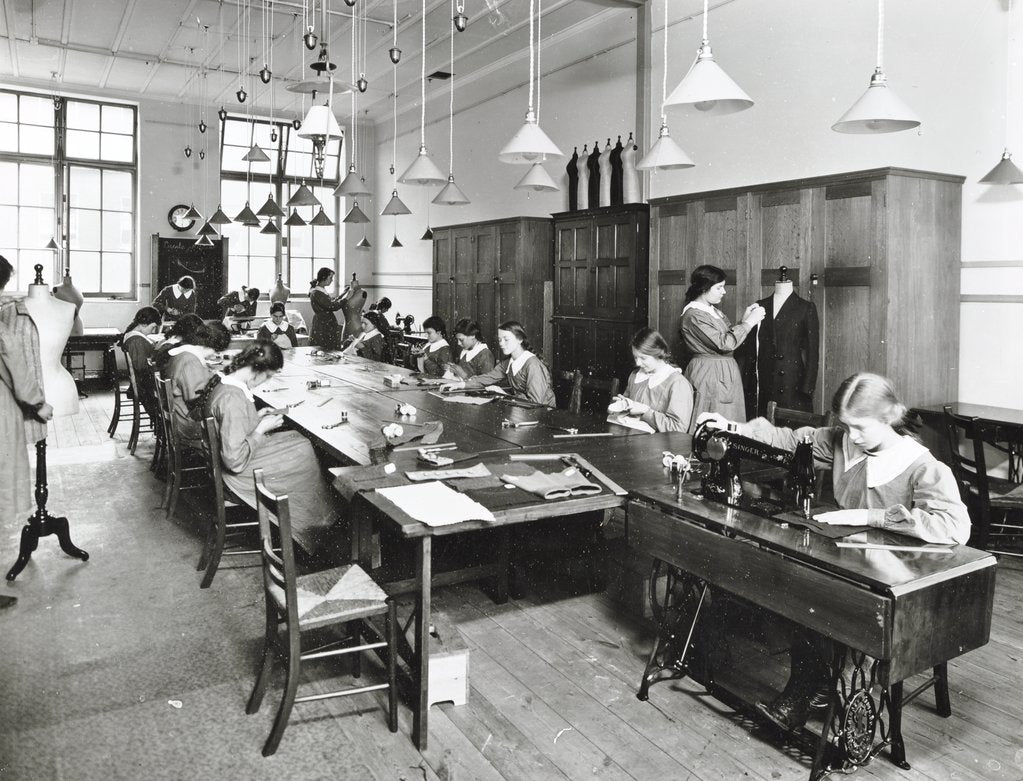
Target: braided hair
[[260, 357], [147, 315]]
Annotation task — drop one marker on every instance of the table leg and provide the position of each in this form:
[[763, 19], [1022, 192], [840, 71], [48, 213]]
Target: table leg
[[421, 707]]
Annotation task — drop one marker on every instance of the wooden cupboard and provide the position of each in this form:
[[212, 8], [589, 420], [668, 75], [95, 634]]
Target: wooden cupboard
[[877, 251], [495, 271], [601, 261]]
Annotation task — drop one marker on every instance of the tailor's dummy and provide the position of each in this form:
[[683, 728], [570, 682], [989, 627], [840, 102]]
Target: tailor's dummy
[[54, 320], [583, 182], [352, 302], [66, 291], [605, 175]]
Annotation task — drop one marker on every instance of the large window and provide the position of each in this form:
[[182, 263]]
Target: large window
[[257, 258], [68, 171]]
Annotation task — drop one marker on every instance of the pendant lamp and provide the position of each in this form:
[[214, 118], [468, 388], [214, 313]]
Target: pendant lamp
[[303, 196], [203, 241], [219, 218], [271, 228], [52, 244], [1006, 172], [530, 144], [320, 127], [879, 109], [192, 213], [665, 154], [537, 179], [395, 243], [423, 170], [270, 208], [246, 216], [207, 230], [450, 194], [396, 206], [427, 234], [363, 243], [321, 218], [256, 155], [355, 215], [706, 87], [295, 220], [352, 184]]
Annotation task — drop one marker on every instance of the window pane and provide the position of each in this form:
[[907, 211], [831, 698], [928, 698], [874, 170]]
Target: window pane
[[8, 136], [85, 187], [237, 132], [82, 144], [9, 106], [85, 229], [117, 148], [262, 243], [116, 272], [118, 119], [82, 116], [237, 273], [36, 185], [302, 241], [8, 183], [323, 240], [36, 111], [35, 227], [299, 164], [262, 273], [9, 216], [239, 239], [233, 195], [301, 272], [117, 234], [117, 191], [36, 140], [85, 268]]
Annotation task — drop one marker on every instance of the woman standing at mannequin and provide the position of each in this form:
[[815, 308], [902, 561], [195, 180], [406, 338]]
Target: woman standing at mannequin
[[326, 330], [711, 338]]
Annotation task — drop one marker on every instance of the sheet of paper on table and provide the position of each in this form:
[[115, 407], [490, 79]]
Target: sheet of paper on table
[[631, 422], [464, 399], [435, 504]]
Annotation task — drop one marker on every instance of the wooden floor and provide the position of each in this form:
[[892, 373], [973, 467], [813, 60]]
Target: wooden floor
[[553, 679]]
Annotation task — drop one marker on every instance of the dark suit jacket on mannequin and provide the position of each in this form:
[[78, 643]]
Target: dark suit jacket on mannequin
[[781, 357]]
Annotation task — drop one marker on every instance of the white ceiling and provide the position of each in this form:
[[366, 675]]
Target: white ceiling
[[154, 48]]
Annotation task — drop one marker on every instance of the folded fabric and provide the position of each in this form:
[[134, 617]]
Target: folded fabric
[[429, 432], [444, 457], [558, 485], [367, 479]]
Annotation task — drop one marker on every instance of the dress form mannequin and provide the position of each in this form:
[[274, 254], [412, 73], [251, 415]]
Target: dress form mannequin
[[66, 291], [280, 292], [630, 176], [583, 186], [782, 290], [593, 164], [353, 300], [616, 173], [53, 320], [605, 175], [573, 180]]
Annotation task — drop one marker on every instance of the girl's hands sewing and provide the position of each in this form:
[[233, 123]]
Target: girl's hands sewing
[[713, 420], [268, 423], [628, 406], [451, 386]]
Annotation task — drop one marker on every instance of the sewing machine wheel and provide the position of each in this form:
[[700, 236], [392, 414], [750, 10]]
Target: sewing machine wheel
[[859, 726]]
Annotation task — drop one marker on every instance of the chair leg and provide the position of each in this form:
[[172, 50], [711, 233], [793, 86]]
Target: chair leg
[[172, 469], [175, 489], [355, 633], [115, 419], [941, 700], [294, 663], [265, 665], [136, 424], [157, 448], [392, 666], [213, 562]]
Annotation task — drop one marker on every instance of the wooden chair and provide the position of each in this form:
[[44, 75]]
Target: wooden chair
[[986, 497], [140, 421], [182, 461], [794, 418], [120, 392], [602, 391], [224, 503], [342, 596]]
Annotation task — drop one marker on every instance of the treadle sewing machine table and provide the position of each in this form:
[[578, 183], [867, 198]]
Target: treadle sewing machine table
[[893, 614]]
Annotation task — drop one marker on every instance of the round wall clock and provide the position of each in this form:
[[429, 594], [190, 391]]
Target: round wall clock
[[178, 219]]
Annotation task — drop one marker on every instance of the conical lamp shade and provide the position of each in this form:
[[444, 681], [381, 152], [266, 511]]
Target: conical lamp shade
[[396, 205], [395, 243], [1005, 172], [423, 170], [203, 241], [270, 208], [352, 184], [879, 110], [665, 154], [321, 218], [207, 230], [303, 196], [256, 155], [192, 213], [52, 244], [295, 220], [450, 195], [427, 234], [246, 216], [219, 218], [319, 122], [356, 215], [271, 227], [363, 243], [707, 88], [537, 179], [529, 144]]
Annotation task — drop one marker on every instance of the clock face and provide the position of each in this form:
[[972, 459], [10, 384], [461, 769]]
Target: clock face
[[177, 219]]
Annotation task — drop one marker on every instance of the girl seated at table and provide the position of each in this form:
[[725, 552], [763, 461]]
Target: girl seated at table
[[657, 392], [883, 478], [475, 357], [370, 343], [182, 328], [188, 373], [520, 371], [435, 355], [249, 440], [138, 348], [239, 303], [277, 329]]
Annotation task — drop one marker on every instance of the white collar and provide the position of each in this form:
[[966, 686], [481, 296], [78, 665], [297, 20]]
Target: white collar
[[432, 347], [472, 352], [271, 326], [180, 292], [515, 364], [659, 376], [191, 349], [366, 336], [703, 306], [230, 379], [885, 465], [132, 333]]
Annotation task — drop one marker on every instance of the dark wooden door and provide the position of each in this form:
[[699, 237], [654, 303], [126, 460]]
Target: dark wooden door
[[443, 303], [675, 247], [176, 257], [721, 231], [463, 284], [573, 259], [613, 267]]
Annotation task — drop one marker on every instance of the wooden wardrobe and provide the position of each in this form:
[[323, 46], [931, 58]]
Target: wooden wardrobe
[[877, 251]]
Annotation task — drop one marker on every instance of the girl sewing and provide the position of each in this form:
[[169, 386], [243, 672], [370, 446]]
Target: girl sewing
[[436, 353], [475, 357], [277, 329], [138, 348], [370, 343], [657, 392]]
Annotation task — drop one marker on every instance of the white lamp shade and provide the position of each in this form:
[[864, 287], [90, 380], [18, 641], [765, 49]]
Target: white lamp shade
[[352, 185], [537, 179], [1006, 172], [319, 121], [707, 88], [423, 170], [396, 205], [355, 215], [256, 155], [450, 194], [529, 145], [665, 154], [879, 110]]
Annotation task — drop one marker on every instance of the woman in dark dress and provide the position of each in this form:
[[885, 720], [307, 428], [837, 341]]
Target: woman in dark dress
[[326, 331], [139, 349]]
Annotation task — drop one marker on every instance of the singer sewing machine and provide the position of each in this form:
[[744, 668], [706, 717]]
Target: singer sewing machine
[[725, 450]]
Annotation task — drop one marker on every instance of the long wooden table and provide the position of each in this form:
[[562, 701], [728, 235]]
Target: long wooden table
[[1004, 424]]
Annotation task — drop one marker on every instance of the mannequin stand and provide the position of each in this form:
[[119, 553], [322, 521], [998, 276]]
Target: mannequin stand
[[41, 523]]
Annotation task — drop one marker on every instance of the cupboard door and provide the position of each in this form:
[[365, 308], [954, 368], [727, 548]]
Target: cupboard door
[[674, 239], [613, 267], [572, 260], [721, 241], [508, 282], [463, 268], [442, 288], [780, 230], [574, 345]]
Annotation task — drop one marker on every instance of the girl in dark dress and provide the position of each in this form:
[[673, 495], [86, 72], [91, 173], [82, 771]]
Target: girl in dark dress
[[138, 349], [326, 331]]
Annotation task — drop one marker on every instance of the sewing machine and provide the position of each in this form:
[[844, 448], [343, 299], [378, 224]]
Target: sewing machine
[[724, 450]]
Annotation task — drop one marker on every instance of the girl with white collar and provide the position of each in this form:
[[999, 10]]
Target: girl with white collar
[[475, 357], [436, 354], [188, 374], [370, 342], [657, 392], [711, 339], [277, 329], [137, 347]]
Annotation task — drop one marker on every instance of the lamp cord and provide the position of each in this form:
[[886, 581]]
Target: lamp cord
[[451, 103], [880, 34], [422, 84], [1008, 70], [664, 74], [532, 7], [539, 19], [706, 9], [355, 126]]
